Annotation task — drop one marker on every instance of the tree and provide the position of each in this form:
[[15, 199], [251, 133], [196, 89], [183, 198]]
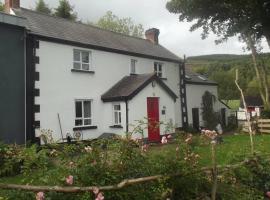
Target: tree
[[120, 25], [65, 10], [1, 6], [227, 18], [42, 7], [208, 114]]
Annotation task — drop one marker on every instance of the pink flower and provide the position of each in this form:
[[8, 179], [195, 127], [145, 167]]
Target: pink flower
[[169, 136], [94, 162], [69, 180], [40, 196], [177, 149], [95, 190], [164, 140], [268, 194], [100, 196]]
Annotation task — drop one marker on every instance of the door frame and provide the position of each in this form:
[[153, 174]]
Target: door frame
[[153, 132]]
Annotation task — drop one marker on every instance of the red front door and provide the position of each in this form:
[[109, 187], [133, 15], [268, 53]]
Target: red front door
[[153, 119]]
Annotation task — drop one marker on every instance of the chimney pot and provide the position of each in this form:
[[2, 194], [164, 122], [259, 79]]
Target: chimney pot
[[152, 35], [11, 4]]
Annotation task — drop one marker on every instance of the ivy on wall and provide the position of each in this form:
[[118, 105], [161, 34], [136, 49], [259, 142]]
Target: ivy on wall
[[209, 116]]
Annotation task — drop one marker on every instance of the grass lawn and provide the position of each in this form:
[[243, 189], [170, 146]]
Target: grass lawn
[[233, 147]]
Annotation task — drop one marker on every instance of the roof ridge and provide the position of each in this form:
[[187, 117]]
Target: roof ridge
[[88, 25]]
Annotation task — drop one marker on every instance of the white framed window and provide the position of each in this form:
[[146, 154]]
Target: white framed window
[[83, 112], [82, 60], [158, 69], [117, 118], [133, 63]]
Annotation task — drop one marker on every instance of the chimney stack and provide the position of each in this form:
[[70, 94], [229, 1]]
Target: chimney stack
[[11, 4], [152, 35]]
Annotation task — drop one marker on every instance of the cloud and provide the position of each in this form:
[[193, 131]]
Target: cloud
[[174, 35]]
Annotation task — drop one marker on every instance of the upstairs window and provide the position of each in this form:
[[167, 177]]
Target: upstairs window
[[81, 60], [83, 112], [117, 119], [158, 68], [133, 63]]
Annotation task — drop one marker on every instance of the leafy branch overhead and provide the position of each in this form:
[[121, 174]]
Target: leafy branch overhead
[[225, 18]]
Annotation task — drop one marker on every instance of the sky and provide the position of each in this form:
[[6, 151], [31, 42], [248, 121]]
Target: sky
[[174, 35]]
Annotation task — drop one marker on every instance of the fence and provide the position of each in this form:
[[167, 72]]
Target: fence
[[261, 125]]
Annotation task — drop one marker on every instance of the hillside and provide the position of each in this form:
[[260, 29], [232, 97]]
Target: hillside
[[221, 68]]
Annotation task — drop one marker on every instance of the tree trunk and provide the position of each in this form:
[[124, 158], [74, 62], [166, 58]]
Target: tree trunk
[[260, 74]]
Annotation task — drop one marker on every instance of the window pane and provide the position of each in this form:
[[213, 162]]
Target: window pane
[[85, 56], [85, 66], [115, 117], [78, 106], [160, 67], [133, 66], [87, 122], [76, 55], [159, 74], [87, 109], [155, 67], [119, 117], [78, 122], [76, 65], [117, 107]]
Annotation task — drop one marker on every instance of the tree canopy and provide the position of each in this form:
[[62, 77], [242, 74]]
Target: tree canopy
[[225, 18], [120, 25], [42, 7], [1, 6], [65, 10]]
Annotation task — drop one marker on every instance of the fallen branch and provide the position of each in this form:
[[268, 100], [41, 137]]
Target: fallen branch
[[118, 186]]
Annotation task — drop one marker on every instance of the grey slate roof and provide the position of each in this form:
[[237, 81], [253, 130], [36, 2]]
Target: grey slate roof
[[62, 29], [195, 78], [131, 85], [252, 101], [13, 20]]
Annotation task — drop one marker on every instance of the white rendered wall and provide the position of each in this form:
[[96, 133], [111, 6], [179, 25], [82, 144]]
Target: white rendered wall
[[138, 109], [194, 100], [59, 87]]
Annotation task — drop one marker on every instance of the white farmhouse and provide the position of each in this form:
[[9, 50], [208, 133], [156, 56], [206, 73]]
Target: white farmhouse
[[80, 80], [196, 86]]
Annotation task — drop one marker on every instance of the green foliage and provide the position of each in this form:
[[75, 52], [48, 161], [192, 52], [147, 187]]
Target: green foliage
[[9, 160], [225, 18], [221, 68], [265, 114], [120, 25], [208, 115], [1, 7], [65, 10], [33, 158], [109, 161], [42, 7]]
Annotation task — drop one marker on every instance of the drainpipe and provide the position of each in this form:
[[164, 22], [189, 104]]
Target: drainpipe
[[127, 121]]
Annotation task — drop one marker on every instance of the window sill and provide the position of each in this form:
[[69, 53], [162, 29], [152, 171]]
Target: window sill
[[79, 128], [116, 126], [164, 79], [83, 71]]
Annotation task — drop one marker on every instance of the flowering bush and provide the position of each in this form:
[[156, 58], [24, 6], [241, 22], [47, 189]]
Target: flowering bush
[[108, 162]]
